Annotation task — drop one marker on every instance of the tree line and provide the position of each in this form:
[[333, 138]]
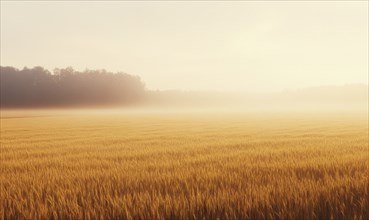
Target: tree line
[[38, 87]]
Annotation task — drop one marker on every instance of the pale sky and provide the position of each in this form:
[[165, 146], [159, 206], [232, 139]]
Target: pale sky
[[233, 46]]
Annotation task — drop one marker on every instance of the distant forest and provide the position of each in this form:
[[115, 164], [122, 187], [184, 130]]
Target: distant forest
[[37, 87]]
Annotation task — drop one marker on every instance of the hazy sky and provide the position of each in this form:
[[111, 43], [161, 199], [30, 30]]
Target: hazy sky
[[249, 46]]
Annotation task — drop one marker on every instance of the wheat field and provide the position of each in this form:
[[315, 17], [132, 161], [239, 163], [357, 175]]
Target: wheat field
[[183, 166]]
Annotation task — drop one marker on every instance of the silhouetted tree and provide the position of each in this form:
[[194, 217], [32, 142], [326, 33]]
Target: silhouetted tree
[[37, 87]]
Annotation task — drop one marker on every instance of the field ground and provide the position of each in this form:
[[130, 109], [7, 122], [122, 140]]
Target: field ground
[[183, 166]]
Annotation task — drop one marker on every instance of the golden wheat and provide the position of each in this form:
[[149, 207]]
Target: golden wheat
[[184, 166]]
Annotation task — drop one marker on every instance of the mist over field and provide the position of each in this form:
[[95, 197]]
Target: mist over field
[[66, 88]]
